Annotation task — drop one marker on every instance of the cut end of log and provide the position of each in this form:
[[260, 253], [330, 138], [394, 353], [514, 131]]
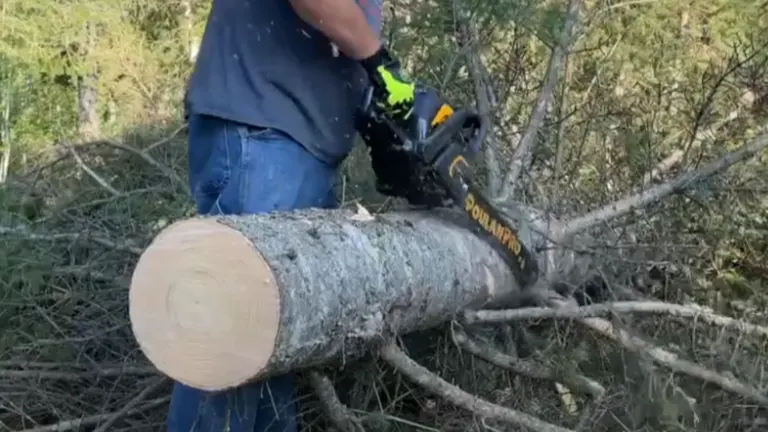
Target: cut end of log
[[204, 305]]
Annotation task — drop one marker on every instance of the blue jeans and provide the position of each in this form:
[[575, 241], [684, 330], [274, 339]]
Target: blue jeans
[[236, 169]]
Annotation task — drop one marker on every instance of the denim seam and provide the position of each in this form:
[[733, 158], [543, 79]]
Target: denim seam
[[245, 158], [227, 173]]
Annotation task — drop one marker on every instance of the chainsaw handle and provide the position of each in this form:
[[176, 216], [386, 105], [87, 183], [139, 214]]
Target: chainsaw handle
[[460, 120]]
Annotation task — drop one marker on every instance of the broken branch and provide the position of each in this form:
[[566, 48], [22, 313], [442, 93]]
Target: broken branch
[[648, 307], [527, 368], [655, 194], [433, 383], [521, 159]]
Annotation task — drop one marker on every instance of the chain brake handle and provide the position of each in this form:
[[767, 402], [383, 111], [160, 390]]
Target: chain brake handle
[[445, 134]]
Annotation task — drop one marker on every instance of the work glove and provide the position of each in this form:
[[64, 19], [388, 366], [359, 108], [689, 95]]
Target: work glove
[[392, 91], [415, 109], [411, 106]]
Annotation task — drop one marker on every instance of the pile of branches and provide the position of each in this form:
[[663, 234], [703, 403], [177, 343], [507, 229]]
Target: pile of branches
[[74, 227]]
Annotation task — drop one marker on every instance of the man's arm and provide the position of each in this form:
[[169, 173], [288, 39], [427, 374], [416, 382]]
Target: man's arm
[[343, 22]]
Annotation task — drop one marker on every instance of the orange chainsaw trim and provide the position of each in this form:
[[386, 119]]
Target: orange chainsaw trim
[[443, 113]]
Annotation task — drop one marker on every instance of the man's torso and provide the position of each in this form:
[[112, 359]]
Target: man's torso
[[260, 64]]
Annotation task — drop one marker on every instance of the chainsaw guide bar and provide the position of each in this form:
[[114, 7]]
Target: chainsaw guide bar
[[454, 172]]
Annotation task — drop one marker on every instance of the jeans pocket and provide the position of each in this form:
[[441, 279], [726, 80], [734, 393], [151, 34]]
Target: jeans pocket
[[251, 133], [210, 159], [253, 136]]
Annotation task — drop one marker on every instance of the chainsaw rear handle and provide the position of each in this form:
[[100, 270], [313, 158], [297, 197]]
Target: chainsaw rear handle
[[461, 120]]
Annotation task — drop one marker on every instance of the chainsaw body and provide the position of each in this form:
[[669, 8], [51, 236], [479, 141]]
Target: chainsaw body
[[428, 160]]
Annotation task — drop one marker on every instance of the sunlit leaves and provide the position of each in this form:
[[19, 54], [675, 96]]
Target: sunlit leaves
[[135, 48]]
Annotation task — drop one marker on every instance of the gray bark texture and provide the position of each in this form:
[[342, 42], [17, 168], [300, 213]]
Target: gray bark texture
[[348, 284]]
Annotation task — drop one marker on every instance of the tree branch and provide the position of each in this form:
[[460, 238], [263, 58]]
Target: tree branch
[[159, 382], [81, 163], [24, 232], [655, 194], [468, 36], [676, 157], [144, 155], [665, 358], [695, 312], [527, 368], [337, 413], [39, 374], [68, 425], [521, 159], [419, 374]]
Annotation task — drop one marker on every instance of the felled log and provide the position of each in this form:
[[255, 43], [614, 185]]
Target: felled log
[[219, 301]]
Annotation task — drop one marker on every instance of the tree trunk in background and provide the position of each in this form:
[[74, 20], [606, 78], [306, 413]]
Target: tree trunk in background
[[5, 131], [192, 42], [88, 124], [215, 302]]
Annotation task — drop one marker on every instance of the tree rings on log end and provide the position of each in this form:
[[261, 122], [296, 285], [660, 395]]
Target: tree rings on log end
[[204, 305]]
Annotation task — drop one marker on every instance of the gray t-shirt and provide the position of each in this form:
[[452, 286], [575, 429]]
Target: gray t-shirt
[[261, 65]]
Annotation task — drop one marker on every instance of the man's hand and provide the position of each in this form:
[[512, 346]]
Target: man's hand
[[392, 91], [415, 109]]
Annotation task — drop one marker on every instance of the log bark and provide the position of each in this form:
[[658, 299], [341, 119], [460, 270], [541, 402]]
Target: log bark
[[219, 301]]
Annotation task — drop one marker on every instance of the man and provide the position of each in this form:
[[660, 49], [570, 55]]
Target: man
[[271, 106]]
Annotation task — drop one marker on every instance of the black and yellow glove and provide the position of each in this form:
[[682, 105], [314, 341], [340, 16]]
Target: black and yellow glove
[[412, 106], [392, 92]]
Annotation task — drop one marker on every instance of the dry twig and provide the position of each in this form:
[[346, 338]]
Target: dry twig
[[148, 159], [69, 425], [431, 382], [666, 358], [159, 382], [81, 163], [24, 232], [165, 140], [655, 194], [332, 407], [532, 369], [693, 311], [76, 375]]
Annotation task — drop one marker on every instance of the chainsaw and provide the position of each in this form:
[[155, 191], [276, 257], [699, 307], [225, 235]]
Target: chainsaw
[[441, 142]]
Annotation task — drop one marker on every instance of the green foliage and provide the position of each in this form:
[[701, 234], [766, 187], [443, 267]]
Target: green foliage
[[136, 50]]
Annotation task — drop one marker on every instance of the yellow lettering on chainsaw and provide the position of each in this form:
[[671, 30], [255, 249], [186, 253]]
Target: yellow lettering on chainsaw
[[454, 163], [469, 202], [507, 234], [476, 213], [484, 220], [494, 227]]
